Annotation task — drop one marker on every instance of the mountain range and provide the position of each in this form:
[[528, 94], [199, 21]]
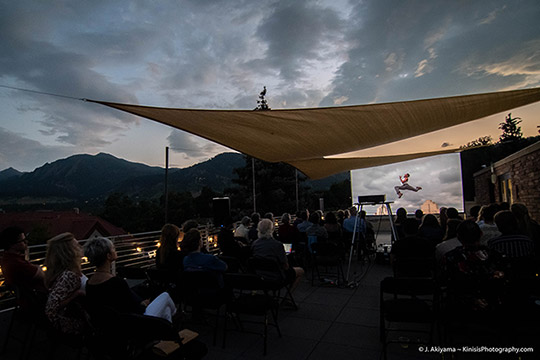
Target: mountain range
[[93, 177]]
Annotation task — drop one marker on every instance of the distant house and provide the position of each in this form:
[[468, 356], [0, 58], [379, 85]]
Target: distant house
[[515, 178], [42, 225]]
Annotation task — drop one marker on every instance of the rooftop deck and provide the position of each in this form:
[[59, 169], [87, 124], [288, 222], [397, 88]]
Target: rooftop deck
[[330, 323]]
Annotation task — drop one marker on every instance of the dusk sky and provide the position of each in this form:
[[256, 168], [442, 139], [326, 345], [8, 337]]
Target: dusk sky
[[220, 54]]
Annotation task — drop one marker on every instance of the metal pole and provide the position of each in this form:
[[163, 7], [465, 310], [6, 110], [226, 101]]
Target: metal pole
[[166, 184], [296, 176], [254, 192]]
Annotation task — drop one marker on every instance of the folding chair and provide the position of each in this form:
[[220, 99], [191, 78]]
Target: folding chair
[[252, 296], [327, 255], [274, 276], [407, 301]]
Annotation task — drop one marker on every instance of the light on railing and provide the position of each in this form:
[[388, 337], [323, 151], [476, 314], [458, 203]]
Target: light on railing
[[139, 249], [158, 244], [43, 267], [84, 260], [152, 254]]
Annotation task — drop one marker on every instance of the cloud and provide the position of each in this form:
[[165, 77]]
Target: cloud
[[22, 153], [192, 146]]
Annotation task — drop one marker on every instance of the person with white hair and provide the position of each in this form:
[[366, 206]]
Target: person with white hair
[[242, 231], [106, 290], [266, 247]]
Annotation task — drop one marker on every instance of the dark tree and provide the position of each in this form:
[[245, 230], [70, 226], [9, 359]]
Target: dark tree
[[511, 130]]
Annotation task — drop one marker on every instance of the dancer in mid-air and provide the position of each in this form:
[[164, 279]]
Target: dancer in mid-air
[[405, 186]]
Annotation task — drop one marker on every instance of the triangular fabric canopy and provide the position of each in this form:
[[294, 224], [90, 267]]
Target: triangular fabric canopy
[[305, 138]]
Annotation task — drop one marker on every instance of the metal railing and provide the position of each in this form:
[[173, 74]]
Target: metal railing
[[133, 250]]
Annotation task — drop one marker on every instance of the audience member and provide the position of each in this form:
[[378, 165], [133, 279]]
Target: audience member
[[188, 225], [452, 213], [450, 240], [401, 216], [303, 226], [486, 223], [66, 284], [431, 230], [316, 229], [443, 217], [526, 225], [340, 217], [267, 247], [412, 253], [252, 234], [510, 243], [419, 215], [298, 219], [17, 270], [227, 243], [168, 257], [350, 223], [242, 231], [473, 212], [474, 274], [103, 289], [333, 228], [287, 232], [197, 261]]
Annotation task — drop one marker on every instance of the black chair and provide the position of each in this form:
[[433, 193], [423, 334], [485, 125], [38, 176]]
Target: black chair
[[204, 290], [252, 296], [407, 301], [327, 255], [163, 280], [417, 267], [234, 265], [274, 277]]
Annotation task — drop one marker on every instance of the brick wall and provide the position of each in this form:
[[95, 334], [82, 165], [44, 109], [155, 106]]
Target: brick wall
[[523, 168]]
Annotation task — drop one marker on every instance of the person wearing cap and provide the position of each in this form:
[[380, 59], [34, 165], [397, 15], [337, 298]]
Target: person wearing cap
[[17, 270]]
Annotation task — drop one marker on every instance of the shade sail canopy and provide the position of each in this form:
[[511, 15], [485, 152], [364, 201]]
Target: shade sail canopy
[[305, 138]]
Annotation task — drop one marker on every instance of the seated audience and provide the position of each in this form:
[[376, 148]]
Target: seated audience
[[286, 231], [450, 241], [66, 284], [252, 234], [267, 247], [197, 261], [401, 216], [168, 257], [473, 213], [242, 231], [103, 289], [419, 215], [452, 213], [349, 223], [227, 242], [316, 229], [474, 274], [486, 223], [510, 243], [412, 255], [188, 225], [526, 225], [17, 270], [443, 217], [303, 226], [431, 230], [333, 228]]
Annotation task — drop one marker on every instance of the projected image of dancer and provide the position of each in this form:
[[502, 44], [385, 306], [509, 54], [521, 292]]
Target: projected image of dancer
[[405, 185]]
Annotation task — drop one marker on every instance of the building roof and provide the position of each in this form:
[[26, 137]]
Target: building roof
[[81, 225]]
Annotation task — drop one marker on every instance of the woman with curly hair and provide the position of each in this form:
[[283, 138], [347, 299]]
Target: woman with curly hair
[[66, 284], [168, 257]]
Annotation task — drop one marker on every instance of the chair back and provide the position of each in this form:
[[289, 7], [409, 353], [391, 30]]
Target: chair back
[[269, 270]]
